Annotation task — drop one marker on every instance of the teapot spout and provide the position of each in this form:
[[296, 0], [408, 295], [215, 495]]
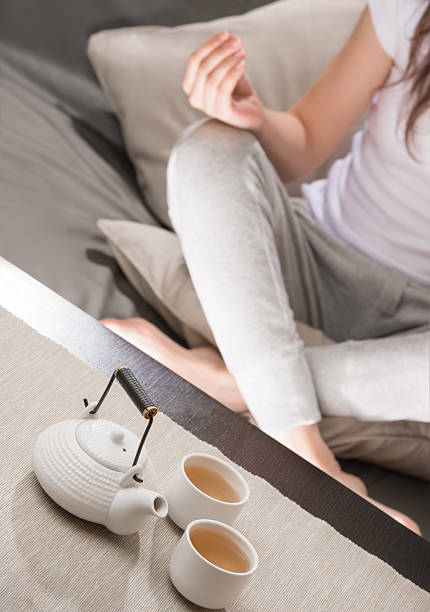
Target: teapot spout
[[131, 508], [153, 503]]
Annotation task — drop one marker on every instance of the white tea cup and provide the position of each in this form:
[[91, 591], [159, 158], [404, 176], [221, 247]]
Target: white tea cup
[[205, 486], [212, 564]]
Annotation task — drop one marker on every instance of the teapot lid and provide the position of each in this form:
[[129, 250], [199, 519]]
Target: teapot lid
[[110, 444]]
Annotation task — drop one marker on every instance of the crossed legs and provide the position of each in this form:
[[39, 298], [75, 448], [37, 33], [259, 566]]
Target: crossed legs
[[231, 213]]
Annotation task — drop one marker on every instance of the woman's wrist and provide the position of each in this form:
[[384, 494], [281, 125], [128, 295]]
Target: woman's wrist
[[260, 129]]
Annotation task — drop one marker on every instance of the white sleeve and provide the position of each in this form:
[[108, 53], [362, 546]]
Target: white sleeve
[[384, 14]]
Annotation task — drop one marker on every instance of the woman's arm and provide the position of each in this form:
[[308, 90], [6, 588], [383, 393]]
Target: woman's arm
[[300, 139]]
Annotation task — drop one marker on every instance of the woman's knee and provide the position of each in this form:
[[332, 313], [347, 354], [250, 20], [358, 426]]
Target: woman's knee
[[215, 137], [207, 154], [209, 144]]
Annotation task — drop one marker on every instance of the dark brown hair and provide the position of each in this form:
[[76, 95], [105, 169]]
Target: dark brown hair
[[418, 73]]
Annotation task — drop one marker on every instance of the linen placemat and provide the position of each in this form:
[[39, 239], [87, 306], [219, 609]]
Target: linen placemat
[[53, 561]]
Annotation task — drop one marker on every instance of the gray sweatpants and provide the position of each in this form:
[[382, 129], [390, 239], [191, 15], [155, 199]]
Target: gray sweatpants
[[258, 261]]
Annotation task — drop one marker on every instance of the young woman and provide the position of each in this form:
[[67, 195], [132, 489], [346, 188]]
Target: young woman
[[351, 257]]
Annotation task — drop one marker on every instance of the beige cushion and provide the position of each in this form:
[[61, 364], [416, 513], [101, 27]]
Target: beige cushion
[[152, 260], [288, 44]]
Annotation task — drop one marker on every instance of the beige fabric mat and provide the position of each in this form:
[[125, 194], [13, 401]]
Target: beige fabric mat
[[52, 561]]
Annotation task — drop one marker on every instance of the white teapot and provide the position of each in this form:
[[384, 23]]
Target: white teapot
[[99, 470]]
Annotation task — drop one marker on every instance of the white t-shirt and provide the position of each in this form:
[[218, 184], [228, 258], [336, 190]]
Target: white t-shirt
[[377, 198]]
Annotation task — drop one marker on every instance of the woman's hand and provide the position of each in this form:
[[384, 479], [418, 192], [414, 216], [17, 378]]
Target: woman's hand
[[215, 83]]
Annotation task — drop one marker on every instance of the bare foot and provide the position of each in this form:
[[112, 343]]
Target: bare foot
[[357, 485], [203, 366], [406, 521], [352, 482]]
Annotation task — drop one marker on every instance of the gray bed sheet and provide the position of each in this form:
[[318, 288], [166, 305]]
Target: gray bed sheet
[[56, 180]]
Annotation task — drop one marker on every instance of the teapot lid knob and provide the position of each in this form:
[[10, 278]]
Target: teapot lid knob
[[117, 436], [108, 443]]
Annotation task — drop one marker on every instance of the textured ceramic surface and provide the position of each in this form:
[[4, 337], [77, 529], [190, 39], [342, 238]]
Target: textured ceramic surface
[[110, 444], [85, 465]]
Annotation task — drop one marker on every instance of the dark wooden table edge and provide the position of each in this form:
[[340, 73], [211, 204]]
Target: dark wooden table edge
[[82, 335]]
